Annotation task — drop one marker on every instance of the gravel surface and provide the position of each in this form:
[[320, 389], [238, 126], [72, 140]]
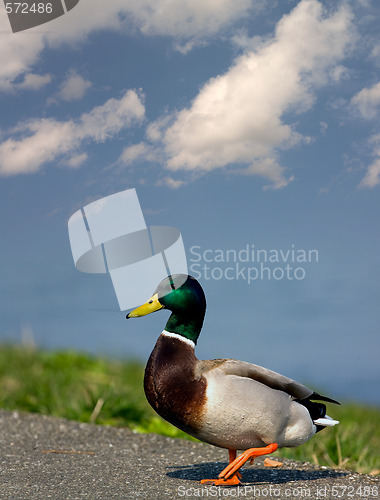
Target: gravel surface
[[45, 457]]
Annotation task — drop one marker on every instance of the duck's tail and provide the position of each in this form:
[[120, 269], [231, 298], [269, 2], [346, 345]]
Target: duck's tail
[[318, 411]]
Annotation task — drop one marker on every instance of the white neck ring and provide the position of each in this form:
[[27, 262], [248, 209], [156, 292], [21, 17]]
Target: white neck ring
[[179, 337]]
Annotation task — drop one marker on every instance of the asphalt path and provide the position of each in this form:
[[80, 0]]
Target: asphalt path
[[45, 457]]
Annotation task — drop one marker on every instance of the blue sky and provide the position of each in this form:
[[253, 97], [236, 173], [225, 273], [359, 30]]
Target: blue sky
[[238, 122]]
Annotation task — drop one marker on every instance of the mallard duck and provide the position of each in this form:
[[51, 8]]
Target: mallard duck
[[224, 402]]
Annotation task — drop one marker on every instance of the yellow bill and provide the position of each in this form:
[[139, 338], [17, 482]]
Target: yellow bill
[[152, 305]]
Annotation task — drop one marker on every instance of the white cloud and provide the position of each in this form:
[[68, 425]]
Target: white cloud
[[185, 21], [372, 177], [104, 121], [34, 82], [170, 182], [375, 53], [73, 87], [323, 126], [44, 140], [17, 53], [269, 169], [238, 117], [133, 153], [367, 101], [189, 20], [77, 160]]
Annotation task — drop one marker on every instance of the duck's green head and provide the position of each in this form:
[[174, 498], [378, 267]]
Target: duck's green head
[[182, 295]]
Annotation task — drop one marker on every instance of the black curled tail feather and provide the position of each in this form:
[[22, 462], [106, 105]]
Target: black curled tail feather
[[316, 410], [318, 397]]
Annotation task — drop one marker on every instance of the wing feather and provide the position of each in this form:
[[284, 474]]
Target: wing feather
[[263, 375], [268, 377]]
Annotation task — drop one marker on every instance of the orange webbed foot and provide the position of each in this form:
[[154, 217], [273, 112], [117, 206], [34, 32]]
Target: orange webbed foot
[[231, 481], [268, 462]]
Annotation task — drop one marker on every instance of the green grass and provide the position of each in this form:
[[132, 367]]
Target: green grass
[[90, 389]]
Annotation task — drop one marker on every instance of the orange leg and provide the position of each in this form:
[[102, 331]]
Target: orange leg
[[232, 457], [233, 480], [250, 454]]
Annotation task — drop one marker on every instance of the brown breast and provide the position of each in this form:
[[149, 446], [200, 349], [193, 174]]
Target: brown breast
[[172, 386]]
